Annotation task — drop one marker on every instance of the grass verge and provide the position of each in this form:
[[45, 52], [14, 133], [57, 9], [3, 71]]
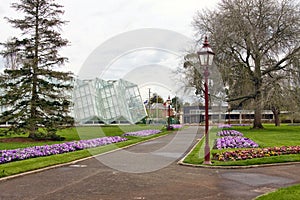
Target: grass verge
[[290, 193]]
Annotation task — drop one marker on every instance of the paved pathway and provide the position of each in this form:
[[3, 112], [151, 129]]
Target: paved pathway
[[91, 179]]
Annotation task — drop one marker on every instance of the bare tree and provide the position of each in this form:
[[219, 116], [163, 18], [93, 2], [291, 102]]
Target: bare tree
[[253, 39]]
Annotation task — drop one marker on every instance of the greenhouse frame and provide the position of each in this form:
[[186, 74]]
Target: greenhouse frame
[[107, 102]]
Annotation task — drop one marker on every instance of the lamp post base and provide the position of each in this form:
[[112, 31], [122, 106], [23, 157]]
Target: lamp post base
[[207, 154], [207, 163]]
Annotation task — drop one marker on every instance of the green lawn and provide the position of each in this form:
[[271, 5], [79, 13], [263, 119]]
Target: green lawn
[[269, 137], [290, 193], [72, 134]]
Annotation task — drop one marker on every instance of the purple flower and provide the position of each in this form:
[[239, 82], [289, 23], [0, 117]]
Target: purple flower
[[224, 126], [229, 133], [47, 150], [240, 124], [177, 126], [234, 142], [142, 133]]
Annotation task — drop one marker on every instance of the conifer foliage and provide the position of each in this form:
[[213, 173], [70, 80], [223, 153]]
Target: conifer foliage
[[35, 92]]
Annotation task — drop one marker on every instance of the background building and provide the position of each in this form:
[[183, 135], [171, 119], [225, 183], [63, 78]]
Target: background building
[[195, 114]]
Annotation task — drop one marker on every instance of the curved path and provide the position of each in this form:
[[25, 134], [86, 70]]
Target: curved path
[[90, 179]]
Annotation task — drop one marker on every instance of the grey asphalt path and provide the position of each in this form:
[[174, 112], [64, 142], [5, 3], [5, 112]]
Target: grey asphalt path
[[91, 179]]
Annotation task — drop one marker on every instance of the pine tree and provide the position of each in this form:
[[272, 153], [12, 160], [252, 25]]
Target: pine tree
[[36, 93]]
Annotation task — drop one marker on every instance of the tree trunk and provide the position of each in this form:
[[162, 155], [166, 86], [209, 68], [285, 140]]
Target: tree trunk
[[34, 94], [276, 113], [257, 119], [257, 124]]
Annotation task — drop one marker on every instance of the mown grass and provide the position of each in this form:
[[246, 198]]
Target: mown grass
[[290, 193], [80, 133], [270, 136]]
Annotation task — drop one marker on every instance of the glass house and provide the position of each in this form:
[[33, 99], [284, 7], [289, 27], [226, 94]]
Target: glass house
[[107, 102]]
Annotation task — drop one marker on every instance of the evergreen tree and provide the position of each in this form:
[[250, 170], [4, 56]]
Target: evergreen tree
[[36, 94]]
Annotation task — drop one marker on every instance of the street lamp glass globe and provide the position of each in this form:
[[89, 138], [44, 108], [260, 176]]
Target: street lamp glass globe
[[206, 54]]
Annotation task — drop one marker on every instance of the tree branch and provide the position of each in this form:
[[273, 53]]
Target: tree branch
[[278, 66], [252, 96]]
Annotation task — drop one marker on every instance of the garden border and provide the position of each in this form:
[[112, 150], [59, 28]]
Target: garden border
[[180, 162], [75, 161]]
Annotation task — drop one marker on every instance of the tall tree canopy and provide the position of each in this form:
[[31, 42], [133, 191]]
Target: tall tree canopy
[[34, 91], [254, 41]]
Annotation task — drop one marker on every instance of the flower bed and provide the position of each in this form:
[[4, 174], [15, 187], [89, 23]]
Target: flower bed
[[47, 150], [224, 126], [234, 142], [229, 133], [240, 124], [256, 153], [176, 126], [231, 125], [142, 133]]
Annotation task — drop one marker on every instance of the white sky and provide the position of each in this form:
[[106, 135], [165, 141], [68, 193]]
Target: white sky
[[92, 22]]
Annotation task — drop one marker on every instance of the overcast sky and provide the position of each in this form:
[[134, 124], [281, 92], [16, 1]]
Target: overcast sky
[[92, 22]]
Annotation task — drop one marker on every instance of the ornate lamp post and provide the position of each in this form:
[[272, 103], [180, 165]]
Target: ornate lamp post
[[206, 56], [169, 113]]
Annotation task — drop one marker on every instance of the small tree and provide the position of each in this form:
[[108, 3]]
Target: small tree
[[176, 104], [275, 100], [35, 93], [156, 99]]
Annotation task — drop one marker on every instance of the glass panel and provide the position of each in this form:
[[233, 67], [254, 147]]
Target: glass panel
[[211, 58], [108, 101]]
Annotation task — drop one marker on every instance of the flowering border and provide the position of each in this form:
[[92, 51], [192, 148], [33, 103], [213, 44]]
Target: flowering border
[[233, 139], [142, 133], [224, 126], [234, 142], [256, 153], [229, 133], [240, 124], [48, 150], [176, 126], [231, 125]]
